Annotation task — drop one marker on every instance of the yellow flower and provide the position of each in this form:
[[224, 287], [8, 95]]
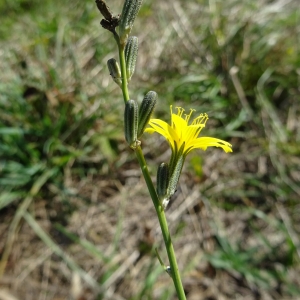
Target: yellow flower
[[182, 136]]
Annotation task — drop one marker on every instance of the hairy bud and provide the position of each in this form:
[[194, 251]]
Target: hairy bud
[[131, 123], [130, 10], [131, 53], [145, 111], [162, 180], [114, 71]]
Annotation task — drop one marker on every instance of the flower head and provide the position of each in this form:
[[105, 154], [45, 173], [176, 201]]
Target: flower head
[[182, 135]]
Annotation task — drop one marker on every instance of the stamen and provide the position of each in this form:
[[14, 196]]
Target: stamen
[[187, 117], [201, 119], [180, 111]]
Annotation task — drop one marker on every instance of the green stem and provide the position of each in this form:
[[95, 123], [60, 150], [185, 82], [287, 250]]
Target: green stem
[[163, 225], [123, 70]]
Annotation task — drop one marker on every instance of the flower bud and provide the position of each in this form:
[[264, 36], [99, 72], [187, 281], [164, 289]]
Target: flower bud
[[131, 52], [130, 10], [145, 111], [131, 123], [115, 71], [162, 180]]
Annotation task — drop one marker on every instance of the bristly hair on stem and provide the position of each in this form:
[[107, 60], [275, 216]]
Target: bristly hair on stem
[[109, 22]]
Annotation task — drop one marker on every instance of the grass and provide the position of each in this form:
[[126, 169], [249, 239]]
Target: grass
[[70, 186]]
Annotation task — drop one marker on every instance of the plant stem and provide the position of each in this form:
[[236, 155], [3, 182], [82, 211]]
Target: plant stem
[[158, 207], [123, 70], [163, 225]]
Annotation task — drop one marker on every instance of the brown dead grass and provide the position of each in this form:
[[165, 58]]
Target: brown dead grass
[[123, 205]]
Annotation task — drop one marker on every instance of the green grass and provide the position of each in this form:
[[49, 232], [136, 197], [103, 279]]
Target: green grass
[[61, 142]]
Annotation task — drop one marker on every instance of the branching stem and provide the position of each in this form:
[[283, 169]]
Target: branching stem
[[157, 204]]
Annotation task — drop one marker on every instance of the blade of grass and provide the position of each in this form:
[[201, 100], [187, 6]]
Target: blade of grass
[[19, 214], [58, 251], [91, 248], [7, 198]]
